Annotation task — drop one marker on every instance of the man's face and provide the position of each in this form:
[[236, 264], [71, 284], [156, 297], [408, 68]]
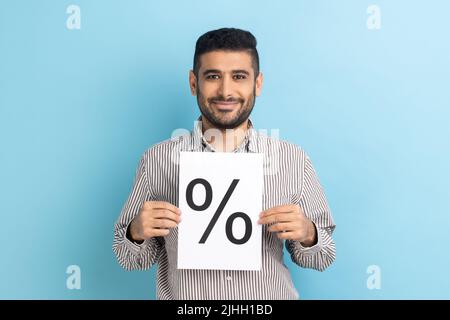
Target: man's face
[[226, 87]]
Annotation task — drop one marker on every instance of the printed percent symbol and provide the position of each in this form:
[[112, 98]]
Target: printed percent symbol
[[207, 203]]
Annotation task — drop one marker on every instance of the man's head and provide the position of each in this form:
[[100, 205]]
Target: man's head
[[226, 77]]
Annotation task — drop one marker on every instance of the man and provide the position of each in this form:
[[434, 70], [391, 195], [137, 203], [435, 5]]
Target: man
[[226, 80]]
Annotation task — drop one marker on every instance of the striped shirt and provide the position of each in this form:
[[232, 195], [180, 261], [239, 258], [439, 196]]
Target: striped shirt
[[289, 178]]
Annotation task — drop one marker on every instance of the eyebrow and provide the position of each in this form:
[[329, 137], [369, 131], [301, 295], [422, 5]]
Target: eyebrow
[[218, 71]]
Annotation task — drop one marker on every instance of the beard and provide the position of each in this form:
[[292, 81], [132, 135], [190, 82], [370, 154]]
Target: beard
[[223, 120]]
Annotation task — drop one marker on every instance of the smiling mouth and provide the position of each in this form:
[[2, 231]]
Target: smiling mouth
[[226, 105]]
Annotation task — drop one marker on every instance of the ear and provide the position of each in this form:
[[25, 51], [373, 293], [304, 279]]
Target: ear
[[258, 84], [193, 82]]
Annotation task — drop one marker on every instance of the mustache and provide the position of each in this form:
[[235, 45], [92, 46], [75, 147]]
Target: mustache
[[222, 99]]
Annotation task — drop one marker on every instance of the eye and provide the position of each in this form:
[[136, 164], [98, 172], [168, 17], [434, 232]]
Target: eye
[[240, 77], [212, 76]]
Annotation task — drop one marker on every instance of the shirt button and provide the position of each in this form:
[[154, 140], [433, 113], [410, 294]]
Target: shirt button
[[228, 278]]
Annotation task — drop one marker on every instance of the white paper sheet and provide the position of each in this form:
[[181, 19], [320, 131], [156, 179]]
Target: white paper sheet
[[239, 248]]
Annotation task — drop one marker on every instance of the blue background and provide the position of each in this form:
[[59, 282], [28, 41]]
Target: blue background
[[79, 107]]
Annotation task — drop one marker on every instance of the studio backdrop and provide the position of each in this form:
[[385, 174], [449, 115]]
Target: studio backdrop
[[87, 86]]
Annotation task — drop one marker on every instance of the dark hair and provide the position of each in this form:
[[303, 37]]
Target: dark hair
[[229, 39]]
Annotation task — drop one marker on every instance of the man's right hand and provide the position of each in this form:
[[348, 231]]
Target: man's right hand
[[155, 219]]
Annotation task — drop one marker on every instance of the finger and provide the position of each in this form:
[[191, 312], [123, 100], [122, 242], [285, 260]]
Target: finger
[[164, 224], [162, 205], [281, 227], [166, 214], [286, 235], [279, 209], [159, 232], [276, 218]]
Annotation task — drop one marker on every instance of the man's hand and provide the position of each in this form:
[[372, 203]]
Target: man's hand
[[290, 223], [154, 220]]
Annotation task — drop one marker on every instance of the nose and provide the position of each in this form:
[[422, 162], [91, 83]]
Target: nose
[[225, 88]]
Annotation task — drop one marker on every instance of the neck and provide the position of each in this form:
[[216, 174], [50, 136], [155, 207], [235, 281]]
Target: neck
[[224, 140]]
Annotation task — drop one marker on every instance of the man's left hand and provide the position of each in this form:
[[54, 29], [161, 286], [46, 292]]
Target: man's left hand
[[290, 223]]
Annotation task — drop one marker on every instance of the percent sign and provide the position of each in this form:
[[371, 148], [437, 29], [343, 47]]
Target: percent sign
[[207, 203]]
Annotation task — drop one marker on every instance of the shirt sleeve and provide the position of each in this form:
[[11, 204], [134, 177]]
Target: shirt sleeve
[[314, 204], [130, 255]]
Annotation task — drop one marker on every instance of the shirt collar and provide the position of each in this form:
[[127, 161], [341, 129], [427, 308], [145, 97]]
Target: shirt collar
[[198, 142]]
